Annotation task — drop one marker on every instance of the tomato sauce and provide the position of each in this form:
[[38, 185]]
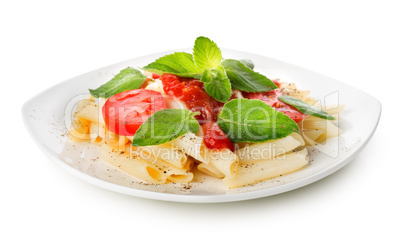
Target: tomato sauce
[[192, 93], [272, 99], [215, 138]]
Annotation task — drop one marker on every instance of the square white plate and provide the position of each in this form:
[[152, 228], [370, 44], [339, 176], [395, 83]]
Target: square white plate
[[47, 117]]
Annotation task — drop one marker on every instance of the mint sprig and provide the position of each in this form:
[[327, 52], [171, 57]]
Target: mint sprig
[[207, 56], [245, 120], [305, 108], [217, 84], [127, 79], [164, 126], [206, 64]]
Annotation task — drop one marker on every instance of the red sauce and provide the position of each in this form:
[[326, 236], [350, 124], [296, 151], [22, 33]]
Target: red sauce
[[192, 93], [215, 138], [277, 83], [155, 76], [272, 99]]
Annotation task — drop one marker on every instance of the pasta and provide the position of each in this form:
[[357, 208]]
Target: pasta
[[315, 130], [91, 113], [193, 146], [265, 169], [270, 149], [174, 161], [225, 161], [156, 172], [213, 134], [133, 166], [211, 170], [170, 154], [80, 127]]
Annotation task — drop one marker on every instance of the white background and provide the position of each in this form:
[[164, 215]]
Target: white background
[[46, 42]]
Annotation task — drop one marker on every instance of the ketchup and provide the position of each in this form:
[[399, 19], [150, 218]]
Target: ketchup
[[192, 93]]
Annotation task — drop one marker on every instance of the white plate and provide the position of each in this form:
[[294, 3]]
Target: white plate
[[45, 118]]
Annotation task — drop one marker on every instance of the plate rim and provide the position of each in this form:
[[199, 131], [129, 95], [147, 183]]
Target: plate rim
[[190, 198]]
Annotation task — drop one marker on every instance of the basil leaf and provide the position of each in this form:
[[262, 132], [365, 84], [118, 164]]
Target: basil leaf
[[206, 53], [178, 63], [165, 125], [127, 79], [243, 78], [217, 84], [305, 108], [247, 63], [246, 120]]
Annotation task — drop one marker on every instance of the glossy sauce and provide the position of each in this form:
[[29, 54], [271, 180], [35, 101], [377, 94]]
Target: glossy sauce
[[192, 93], [272, 99]]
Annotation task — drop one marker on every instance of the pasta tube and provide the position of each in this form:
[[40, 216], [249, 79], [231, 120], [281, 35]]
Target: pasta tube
[[91, 112], [156, 172], [270, 149], [311, 122], [168, 153], [225, 161], [211, 170], [193, 146], [251, 173], [135, 167]]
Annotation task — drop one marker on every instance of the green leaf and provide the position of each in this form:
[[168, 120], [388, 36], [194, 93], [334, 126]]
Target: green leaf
[[165, 125], [127, 79], [246, 120], [305, 108], [178, 63], [217, 84], [248, 63], [243, 78], [206, 53]]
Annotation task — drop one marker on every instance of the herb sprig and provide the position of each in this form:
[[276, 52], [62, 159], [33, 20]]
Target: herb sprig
[[219, 77]]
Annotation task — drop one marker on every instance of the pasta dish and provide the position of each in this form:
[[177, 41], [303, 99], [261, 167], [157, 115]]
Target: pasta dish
[[185, 113]]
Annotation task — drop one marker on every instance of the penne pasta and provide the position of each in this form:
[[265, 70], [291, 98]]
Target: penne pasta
[[258, 171], [97, 132], [172, 173], [312, 122], [115, 141], [211, 170], [133, 166], [225, 161], [333, 109], [270, 149], [311, 136], [77, 135], [91, 112], [189, 165], [193, 146], [79, 130], [298, 138], [168, 153], [152, 170]]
